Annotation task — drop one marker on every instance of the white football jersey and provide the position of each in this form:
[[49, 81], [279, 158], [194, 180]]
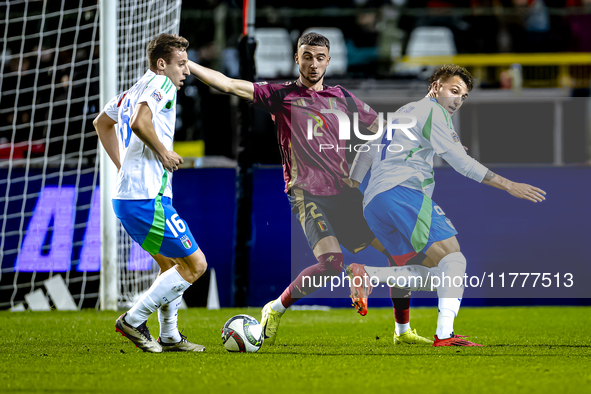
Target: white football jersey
[[142, 175], [409, 163]]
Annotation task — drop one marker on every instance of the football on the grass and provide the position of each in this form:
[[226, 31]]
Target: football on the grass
[[243, 334]]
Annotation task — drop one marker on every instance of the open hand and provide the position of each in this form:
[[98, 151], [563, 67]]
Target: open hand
[[527, 192]]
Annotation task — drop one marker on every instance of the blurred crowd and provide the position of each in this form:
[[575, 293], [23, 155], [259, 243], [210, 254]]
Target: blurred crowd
[[478, 26]]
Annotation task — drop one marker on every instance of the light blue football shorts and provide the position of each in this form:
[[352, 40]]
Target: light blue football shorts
[[156, 226], [407, 222]]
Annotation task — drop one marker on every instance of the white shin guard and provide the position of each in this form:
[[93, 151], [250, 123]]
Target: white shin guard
[[168, 318], [450, 292], [167, 287]]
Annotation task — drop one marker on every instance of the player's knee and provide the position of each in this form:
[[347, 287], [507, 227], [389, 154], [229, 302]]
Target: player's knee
[[440, 249], [331, 264], [195, 267], [332, 271], [199, 268]]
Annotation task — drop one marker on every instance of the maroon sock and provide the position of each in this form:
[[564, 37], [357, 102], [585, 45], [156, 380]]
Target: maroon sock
[[329, 264], [400, 302]]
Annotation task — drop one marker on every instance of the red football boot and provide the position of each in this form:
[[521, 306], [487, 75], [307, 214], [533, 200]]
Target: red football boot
[[454, 340], [360, 287]]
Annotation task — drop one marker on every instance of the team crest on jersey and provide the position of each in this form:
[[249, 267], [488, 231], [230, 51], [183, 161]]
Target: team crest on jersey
[[455, 136], [156, 96], [186, 242], [322, 225], [332, 103]]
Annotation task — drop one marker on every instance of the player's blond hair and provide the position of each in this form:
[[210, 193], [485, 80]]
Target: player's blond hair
[[451, 70], [163, 47]]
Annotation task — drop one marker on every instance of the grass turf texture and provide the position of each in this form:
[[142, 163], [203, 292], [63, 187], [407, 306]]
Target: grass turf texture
[[534, 349]]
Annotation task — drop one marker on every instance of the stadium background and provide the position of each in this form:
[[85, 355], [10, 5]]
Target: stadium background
[[528, 119]]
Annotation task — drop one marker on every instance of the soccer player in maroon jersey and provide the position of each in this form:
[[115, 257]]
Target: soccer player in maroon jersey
[[316, 176]]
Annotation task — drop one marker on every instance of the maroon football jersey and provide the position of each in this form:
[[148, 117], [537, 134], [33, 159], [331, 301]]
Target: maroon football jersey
[[310, 163]]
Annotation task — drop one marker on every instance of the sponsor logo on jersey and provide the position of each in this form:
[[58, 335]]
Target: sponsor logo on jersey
[[366, 108], [156, 96], [261, 83], [186, 242], [455, 137]]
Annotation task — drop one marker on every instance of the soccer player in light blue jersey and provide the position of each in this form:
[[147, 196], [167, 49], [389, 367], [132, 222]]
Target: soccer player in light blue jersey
[[136, 128], [397, 201]]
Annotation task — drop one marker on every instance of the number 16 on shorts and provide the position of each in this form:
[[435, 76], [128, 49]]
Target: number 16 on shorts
[[176, 225]]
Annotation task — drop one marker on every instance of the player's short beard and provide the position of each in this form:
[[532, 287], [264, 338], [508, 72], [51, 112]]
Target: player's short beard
[[309, 80]]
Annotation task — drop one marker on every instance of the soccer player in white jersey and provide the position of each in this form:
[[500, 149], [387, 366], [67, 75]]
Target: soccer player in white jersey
[[136, 128], [397, 201]]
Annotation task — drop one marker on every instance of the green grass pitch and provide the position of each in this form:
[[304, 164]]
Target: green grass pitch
[[528, 350]]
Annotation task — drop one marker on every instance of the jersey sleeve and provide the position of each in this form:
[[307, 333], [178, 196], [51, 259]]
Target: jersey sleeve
[[158, 94], [112, 107], [366, 114], [447, 144], [263, 96]]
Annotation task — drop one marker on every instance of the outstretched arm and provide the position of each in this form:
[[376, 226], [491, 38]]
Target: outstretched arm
[[142, 126], [519, 190], [219, 81], [471, 168], [105, 128]]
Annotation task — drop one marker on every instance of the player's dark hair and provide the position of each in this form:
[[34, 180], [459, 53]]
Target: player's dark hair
[[314, 39], [163, 46], [451, 70]]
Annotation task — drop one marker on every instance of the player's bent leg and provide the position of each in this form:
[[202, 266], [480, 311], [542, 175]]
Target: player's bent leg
[[171, 339], [192, 267], [438, 250], [167, 287], [330, 263]]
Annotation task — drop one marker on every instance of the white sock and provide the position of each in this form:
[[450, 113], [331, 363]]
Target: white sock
[[277, 306], [445, 319], [168, 317], [413, 277], [450, 296], [401, 328], [167, 287]]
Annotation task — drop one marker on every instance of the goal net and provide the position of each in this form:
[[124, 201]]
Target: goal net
[[49, 167]]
